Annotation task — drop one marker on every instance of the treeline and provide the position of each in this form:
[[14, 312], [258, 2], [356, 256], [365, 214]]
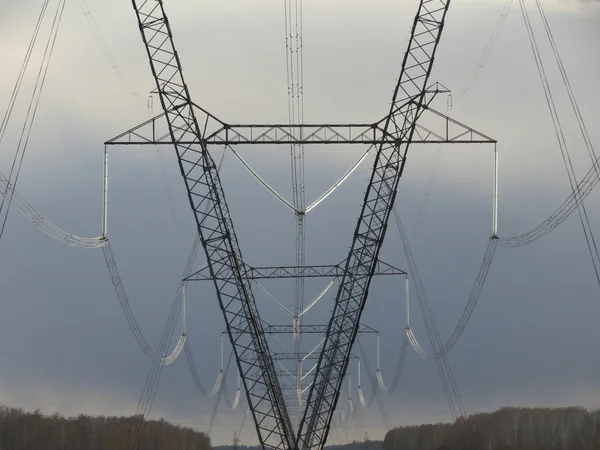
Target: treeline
[[506, 429], [357, 445], [35, 431]]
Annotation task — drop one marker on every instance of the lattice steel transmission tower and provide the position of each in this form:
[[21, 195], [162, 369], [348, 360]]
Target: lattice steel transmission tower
[[191, 130]]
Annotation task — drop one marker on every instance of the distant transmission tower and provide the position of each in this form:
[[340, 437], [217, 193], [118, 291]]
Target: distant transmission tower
[[191, 130], [236, 441]]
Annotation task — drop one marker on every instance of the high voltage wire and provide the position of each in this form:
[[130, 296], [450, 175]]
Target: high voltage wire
[[590, 180], [380, 404], [8, 184], [569, 88], [293, 10], [445, 371], [33, 105], [15, 92], [153, 378], [112, 61], [489, 48], [487, 51], [85, 9], [45, 225], [579, 191], [165, 181], [430, 180], [474, 297], [127, 310], [575, 187], [222, 392], [399, 368]]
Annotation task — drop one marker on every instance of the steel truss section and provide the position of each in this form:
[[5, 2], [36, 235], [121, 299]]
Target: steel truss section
[[407, 106], [309, 329], [191, 129], [152, 132], [215, 226], [312, 329], [281, 272]]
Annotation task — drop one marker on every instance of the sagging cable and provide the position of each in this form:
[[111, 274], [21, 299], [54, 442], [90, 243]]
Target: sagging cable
[[47, 227], [361, 396], [176, 352], [319, 297], [314, 349], [467, 312], [193, 369], [337, 183], [309, 371], [273, 299], [123, 300], [399, 369], [236, 400], [263, 182], [417, 347], [350, 404], [380, 381], [282, 345], [182, 339], [378, 370], [285, 369], [217, 387]]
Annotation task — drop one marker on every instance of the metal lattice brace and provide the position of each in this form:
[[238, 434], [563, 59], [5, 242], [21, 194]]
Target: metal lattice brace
[[282, 272], [216, 230], [152, 132], [310, 329], [371, 227]]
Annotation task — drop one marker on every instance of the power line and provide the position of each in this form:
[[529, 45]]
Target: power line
[[562, 143], [32, 110], [15, 93], [489, 48], [446, 375], [85, 9]]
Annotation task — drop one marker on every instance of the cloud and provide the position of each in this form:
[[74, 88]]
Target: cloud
[[575, 6], [61, 327]]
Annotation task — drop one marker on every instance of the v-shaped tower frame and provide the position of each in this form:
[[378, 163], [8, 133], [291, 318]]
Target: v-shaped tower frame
[[191, 129]]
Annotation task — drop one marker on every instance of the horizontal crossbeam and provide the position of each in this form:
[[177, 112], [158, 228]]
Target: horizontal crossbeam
[[154, 132], [310, 329], [281, 272]]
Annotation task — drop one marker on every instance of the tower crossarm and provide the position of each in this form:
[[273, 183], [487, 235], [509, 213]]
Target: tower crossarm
[[311, 329], [308, 329], [370, 230], [153, 132], [303, 134], [281, 272], [216, 230]]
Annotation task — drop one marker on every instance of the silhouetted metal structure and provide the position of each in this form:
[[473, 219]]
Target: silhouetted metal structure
[[191, 129]]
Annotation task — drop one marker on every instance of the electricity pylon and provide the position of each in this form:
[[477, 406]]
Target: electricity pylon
[[191, 130]]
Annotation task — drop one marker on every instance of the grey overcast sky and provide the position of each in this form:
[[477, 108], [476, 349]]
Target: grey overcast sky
[[64, 344]]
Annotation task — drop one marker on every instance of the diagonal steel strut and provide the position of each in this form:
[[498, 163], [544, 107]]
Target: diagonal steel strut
[[216, 230], [371, 227]]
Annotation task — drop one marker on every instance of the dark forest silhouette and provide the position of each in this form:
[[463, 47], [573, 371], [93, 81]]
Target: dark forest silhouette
[[35, 431], [507, 429]]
